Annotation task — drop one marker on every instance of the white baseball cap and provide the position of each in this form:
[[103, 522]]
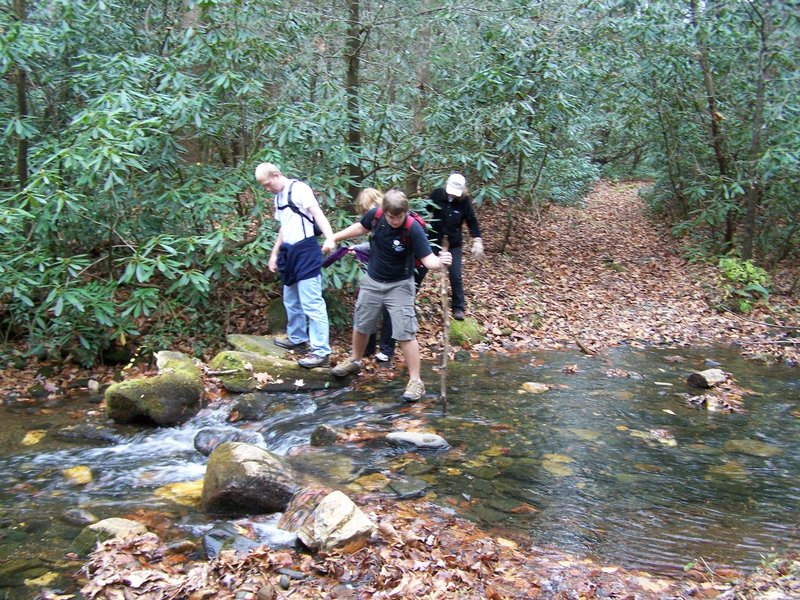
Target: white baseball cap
[[455, 184]]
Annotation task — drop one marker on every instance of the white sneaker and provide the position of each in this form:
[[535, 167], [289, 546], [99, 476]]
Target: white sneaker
[[381, 357]]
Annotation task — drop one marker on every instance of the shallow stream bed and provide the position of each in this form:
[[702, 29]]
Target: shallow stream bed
[[611, 462]]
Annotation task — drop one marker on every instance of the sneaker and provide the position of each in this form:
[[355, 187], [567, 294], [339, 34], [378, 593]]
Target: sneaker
[[311, 361], [458, 314], [348, 367], [381, 357], [414, 390], [288, 344]]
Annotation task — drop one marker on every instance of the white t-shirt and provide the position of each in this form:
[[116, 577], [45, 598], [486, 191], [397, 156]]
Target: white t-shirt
[[295, 228]]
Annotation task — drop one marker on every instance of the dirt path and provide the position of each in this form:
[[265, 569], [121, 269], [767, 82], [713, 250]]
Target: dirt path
[[605, 275]]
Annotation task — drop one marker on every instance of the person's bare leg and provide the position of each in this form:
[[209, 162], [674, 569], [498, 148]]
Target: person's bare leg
[[359, 345], [410, 350]]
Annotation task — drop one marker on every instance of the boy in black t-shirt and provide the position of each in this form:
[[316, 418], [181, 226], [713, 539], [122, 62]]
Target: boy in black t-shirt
[[389, 282]]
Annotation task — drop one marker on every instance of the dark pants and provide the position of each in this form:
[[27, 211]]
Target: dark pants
[[456, 280], [386, 343]]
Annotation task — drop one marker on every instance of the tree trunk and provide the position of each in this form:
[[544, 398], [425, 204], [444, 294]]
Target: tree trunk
[[510, 209], [754, 190], [22, 107], [423, 73], [717, 137], [672, 164], [352, 89]]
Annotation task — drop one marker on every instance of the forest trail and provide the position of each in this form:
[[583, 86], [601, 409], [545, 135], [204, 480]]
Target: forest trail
[[602, 274]]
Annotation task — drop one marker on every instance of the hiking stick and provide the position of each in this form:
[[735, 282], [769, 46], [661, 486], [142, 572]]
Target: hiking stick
[[445, 333]]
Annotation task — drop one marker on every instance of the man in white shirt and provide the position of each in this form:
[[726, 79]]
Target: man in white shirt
[[298, 257]]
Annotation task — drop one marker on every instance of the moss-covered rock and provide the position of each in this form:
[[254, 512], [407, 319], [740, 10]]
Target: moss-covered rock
[[250, 371], [169, 398], [256, 344], [468, 331]]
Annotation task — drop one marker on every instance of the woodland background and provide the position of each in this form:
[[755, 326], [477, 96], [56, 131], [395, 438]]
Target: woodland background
[[131, 129]]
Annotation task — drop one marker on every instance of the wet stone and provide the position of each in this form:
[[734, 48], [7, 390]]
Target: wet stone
[[252, 406], [487, 514], [88, 433], [207, 439], [506, 505], [324, 435], [19, 570], [482, 489], [524, 469], [485, 472], [421, 440], [407, 488], [418, 468], [79, 517], [225, 536]]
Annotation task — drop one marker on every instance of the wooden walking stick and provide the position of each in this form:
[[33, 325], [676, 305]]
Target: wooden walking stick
[[445, 332]]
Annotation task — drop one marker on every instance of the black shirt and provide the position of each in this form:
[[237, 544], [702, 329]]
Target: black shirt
[[392, 250], [449, 214]]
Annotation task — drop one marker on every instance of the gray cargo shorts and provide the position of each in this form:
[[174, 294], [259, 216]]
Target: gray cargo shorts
[[397, 297]]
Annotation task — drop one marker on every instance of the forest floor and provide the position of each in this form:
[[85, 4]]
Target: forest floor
[[586, 278], [604, 275]]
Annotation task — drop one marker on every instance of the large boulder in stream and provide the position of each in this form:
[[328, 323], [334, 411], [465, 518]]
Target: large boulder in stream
[[169, 398], [245, 479], [258, 364]]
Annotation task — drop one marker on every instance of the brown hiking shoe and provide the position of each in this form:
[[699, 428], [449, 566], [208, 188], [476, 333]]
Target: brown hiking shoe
[[348, 367], [414, 390]]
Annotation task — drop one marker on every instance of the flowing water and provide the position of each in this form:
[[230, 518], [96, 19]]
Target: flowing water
[[611, 462]]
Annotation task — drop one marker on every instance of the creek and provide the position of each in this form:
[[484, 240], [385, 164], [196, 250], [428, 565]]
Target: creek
[[612, 462]]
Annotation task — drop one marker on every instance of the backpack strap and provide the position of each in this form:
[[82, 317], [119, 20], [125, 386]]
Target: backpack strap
[[293, 207], [405, 237]]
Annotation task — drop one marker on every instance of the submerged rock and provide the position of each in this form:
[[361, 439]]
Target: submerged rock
[[408, 487], [533, 387], [225, 536], [325, 435], [87, 433], [185, 493], [752, 447], [79, 516], [207, 439]]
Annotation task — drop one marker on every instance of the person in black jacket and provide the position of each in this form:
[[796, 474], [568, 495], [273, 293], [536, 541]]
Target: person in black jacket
[[451, 207]]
